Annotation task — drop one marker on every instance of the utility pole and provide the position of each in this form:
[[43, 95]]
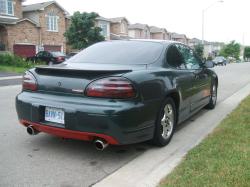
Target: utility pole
[[203, 17]]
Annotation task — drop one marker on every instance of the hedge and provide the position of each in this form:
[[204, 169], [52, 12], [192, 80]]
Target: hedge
[[11, 60]]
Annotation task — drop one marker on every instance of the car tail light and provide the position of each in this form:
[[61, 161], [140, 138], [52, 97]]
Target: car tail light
[[29, 82], [111, 87], [60, 59]]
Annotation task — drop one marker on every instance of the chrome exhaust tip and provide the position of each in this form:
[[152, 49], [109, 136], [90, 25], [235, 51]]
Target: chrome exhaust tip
[[31, 131], [100, 145]]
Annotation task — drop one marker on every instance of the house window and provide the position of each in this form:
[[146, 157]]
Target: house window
[[123, 30], [52, 22], [104, 30], [6, 7], [146, 34]]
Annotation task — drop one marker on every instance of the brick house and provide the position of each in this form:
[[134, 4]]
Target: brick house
[[118, 28], [139, 31], [159, 33], [24, 30], [194, 41], [104, 24], [113, 28], [179, 37]]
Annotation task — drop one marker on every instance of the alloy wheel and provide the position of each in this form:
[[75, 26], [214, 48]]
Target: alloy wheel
[[167, 121], [214, 94]]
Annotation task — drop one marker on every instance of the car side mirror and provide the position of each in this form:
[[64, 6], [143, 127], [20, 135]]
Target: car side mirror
[[208, 64]]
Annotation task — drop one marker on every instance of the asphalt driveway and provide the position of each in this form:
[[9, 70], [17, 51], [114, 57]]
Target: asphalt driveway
[[44, 160]]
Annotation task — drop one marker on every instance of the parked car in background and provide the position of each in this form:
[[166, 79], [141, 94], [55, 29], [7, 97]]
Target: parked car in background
[[220, 60], [68, 56], [49, 57], [118, 92]]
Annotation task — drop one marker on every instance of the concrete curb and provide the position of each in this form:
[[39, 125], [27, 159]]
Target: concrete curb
[[152, 166], [10, 78], [10, 87]]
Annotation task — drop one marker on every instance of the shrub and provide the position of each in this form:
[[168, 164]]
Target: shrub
[[11, 60], [199, 49], [247, 53]]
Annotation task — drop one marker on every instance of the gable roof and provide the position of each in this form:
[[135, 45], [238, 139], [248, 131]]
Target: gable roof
[[41, 6], [118, 19], [195, 40], [15, 21], [154, 29], [29, 20], [179, 36], [138, 26], [103, 19]]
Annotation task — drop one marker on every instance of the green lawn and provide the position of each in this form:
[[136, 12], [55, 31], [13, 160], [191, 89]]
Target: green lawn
[[12, 69], [222, 159]]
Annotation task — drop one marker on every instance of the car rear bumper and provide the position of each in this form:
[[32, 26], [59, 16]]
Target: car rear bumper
[[117, 122], [65, 133]]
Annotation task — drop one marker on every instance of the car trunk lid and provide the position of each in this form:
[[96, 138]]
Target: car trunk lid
[[73, 78]]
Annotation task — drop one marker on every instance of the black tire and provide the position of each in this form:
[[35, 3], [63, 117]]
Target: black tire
[[158, 138], [213, 97]]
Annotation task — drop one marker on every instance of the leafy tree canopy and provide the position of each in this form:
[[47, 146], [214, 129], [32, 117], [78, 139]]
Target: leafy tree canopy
[[231, 50], [199, 49], [247, 52], [82, 31]]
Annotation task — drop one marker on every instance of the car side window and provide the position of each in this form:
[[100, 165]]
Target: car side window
[[174, 58], [191, 61], [40, 54], [46, 54]]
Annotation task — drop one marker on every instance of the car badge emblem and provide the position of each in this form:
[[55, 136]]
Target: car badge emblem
[[59, 84]]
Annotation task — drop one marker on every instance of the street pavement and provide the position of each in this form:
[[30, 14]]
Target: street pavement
[[45, 160], [8, 74], [8, 79]]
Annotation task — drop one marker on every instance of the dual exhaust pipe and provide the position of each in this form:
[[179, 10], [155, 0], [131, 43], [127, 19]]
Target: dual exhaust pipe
[[31, 131], [100, 144]]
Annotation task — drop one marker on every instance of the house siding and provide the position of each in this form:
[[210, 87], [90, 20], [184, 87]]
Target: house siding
[[125, 23], [138, 33], [115, 28], [157, 36], [26, 32], [53, 38], [3, 36], [17, 6], [131, 33], [99, 22], [22, 33]]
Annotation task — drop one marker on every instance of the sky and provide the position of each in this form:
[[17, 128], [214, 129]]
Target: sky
[[223, 21]]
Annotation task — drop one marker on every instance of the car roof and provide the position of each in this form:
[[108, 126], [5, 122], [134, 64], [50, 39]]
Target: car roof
[[154, 40], [165, 42]]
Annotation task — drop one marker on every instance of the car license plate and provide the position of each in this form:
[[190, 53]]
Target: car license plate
[[55, 115]]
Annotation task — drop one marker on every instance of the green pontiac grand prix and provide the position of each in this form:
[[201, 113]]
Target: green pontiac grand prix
[[118, 92]]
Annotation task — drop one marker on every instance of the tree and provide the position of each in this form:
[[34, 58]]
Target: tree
[[247, 53], [231, 50], [199, 50], [82, 31]]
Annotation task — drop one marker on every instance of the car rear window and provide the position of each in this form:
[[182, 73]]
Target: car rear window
[[120, 52], [57, 53], [219, 58]]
